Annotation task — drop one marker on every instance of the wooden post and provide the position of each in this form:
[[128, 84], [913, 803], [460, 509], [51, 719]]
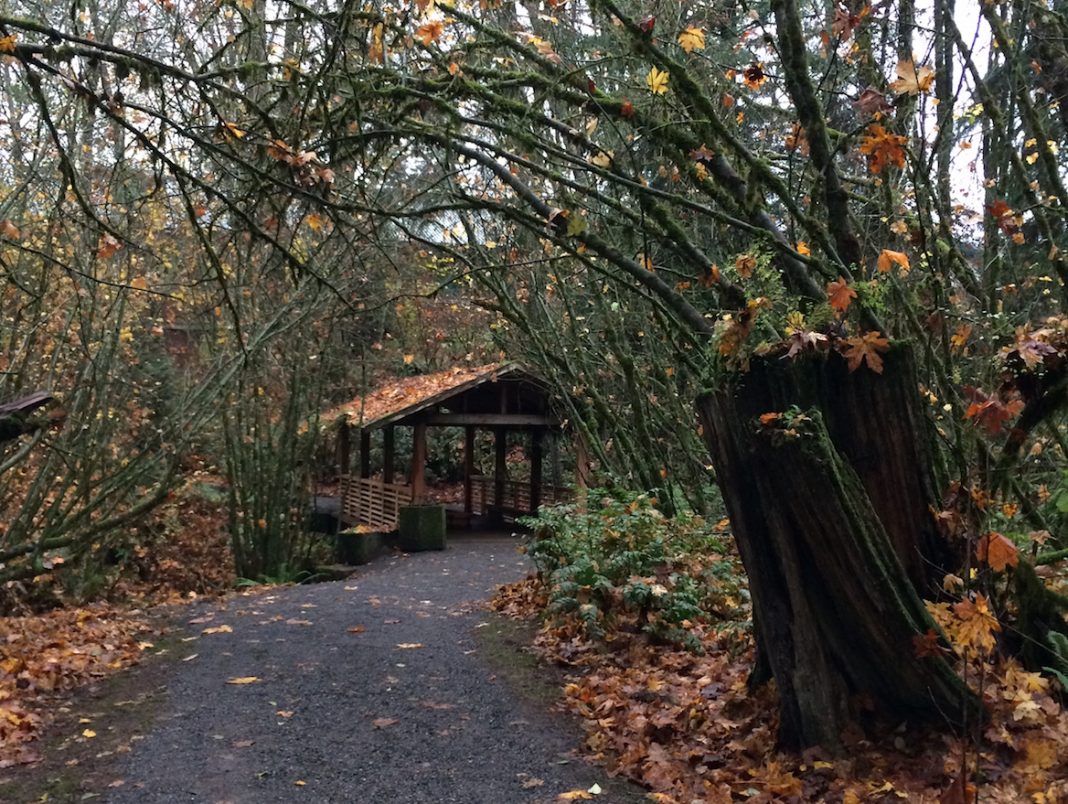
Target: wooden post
[[582, 471], [536, 436], [554, 458], [344, 450], [469, 465], [418, 463], [387, 454], [582, 463], [500, 468], [365, 453]]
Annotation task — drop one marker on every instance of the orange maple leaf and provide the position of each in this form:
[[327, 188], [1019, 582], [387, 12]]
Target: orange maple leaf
[[430, 32], [840, 295], [888, 259], [865, 349], [883, 148], [991, 412], [997, 551]]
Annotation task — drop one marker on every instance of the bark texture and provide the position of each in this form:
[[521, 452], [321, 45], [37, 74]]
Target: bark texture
[[833, 525]]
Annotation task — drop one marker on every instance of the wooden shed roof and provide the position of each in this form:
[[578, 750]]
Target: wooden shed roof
[[402, 397]]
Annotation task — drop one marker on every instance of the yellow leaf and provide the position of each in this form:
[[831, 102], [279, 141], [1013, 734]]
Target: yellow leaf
[[911, 80], [803, 248], [233, 130], [242, 680], [692, 39], [657, 80], [603, 159], [218, 629], [410, 645], [88, 734], [575, 795], [409, 359], [139, 283], [7, 43], [300, 783], [888, 259]]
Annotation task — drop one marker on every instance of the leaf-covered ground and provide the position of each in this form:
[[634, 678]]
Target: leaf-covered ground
[[685, 725], [180, 554], [48, 655]]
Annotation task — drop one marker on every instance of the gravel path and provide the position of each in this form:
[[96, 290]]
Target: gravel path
[[406, 711]]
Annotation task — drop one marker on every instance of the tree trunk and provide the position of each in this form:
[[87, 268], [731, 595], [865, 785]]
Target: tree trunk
[[831, 517]]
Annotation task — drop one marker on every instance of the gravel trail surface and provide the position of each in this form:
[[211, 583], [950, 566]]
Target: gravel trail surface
[[371, 689]]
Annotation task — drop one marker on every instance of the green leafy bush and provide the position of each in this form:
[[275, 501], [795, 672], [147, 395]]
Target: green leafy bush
[[623, 565]]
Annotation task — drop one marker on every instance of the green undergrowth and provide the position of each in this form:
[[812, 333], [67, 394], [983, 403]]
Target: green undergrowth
[[621, 564]]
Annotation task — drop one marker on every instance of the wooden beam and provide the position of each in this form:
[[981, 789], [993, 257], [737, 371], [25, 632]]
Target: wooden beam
[[388, 454], [582, 471], [536, 455], [469, 465], [512, 420], [419, 463], [344, 450], [500, 467], [365, 453]]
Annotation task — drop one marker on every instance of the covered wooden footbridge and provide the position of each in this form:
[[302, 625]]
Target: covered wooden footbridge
[[501, 398]]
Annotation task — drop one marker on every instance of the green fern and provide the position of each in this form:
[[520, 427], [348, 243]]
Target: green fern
[[1058, 645]]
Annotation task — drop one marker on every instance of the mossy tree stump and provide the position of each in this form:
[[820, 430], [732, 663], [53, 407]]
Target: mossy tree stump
[[832, 522]]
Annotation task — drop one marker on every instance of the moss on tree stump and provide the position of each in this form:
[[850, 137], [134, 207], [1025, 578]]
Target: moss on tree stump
[[421, 527]]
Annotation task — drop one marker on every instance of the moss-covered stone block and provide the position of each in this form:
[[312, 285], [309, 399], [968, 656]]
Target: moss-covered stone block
[[355, 548], [421, 527]]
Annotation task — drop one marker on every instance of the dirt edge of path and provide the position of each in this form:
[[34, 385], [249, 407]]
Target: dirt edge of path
[[504, 643]]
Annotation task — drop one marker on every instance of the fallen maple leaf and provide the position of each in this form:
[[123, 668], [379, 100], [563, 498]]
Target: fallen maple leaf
[[88, 734], [575, 795], [242, 680], [991, 412], [357, 629], [692, 39], [218, 629], [840, 295], [430, 32], [910, 80], [657, 81], [997, 551], [866, 348], [384, 722], [882, 148], [871, 101], [888, 259]]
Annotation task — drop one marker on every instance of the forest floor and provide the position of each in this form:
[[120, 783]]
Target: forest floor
[[394, 685]]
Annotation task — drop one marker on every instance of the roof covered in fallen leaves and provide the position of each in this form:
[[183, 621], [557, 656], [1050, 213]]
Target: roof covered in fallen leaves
[[401, 397]]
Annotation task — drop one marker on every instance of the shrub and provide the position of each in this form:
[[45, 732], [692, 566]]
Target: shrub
[[623, 565]]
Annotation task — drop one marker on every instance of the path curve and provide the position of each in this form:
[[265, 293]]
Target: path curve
[[448, 728]]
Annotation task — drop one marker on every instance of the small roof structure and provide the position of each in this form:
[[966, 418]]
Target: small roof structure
[[402, 398], [500, 397]]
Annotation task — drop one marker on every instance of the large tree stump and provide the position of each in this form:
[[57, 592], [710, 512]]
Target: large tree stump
[[833, 526]]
